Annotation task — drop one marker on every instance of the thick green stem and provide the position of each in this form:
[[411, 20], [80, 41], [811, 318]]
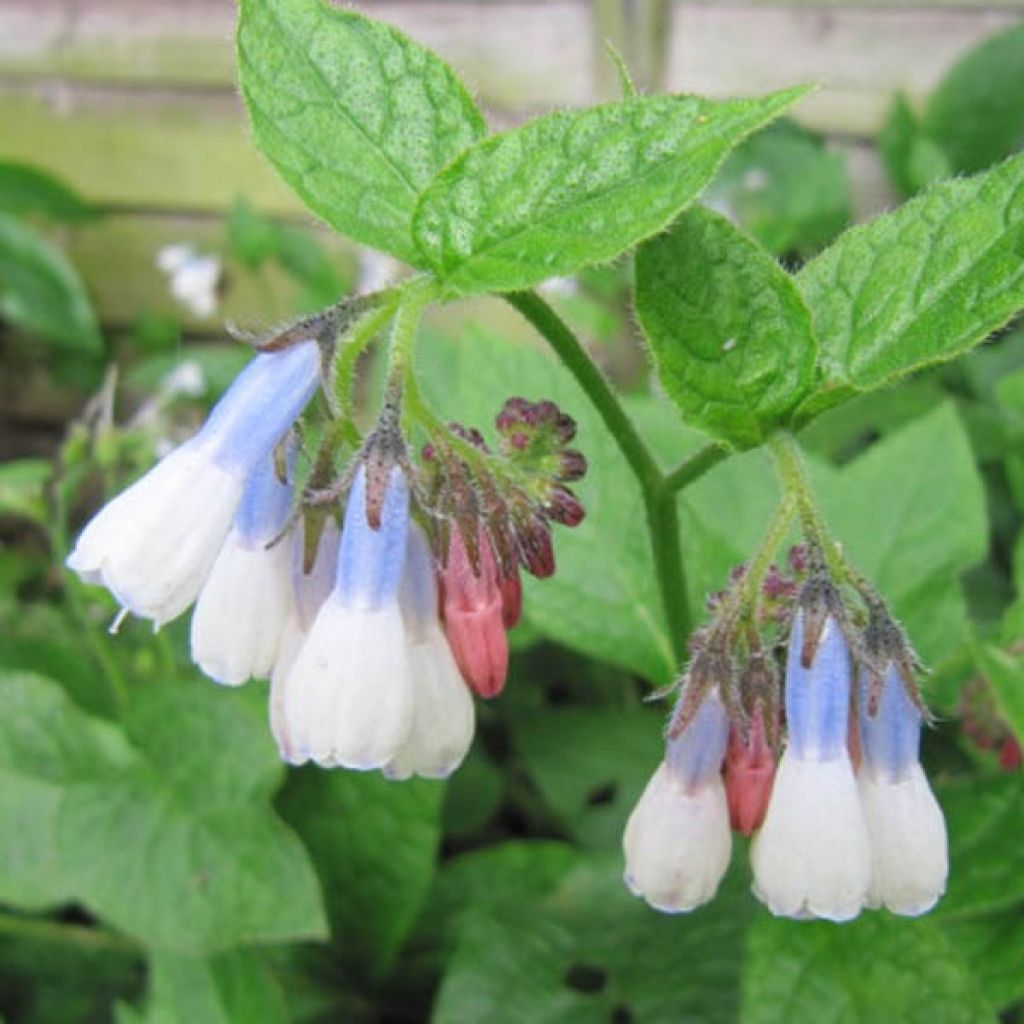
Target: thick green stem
[[658, 489]]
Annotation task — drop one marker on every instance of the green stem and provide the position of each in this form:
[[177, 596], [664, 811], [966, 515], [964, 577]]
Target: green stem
[[761, 561], [67, 934], [657, 488], [792, 473], [351, 345]]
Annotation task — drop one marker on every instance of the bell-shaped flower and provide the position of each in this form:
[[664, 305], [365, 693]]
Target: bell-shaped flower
[[909, 857], [749, 773], [247, 598], [474, 615], [349, 695], [812, 857], [154, 544], [443, 719], [677, 841], [309, 591]]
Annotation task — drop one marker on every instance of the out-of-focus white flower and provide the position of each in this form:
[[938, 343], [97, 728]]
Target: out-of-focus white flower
[[909, 855], [154, 544], [811, 857], [677, 842], [193, 278], [443, 717], [247, 598], [348, 698], [377, 270]]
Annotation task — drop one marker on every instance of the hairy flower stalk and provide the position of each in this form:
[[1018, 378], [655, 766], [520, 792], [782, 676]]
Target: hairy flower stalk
[[154, 545]]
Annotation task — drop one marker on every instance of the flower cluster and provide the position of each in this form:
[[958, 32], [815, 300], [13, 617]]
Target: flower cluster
[[371, 603], [845, 818]]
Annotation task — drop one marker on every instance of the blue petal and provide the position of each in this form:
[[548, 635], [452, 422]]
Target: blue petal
[[891, 741], [266, 502], [818, 698], [261, 404], [370, 562], [696, 755]]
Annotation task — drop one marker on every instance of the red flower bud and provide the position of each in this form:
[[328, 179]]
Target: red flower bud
[[511, 599], [474, 616], [749, 774]]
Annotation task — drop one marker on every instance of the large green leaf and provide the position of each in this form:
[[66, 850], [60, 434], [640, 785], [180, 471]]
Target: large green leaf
[[355, 117], [29, 190], [993, 946], [975, 114], [877, 968], [589, 951], [920, 285], [912, 159], [575, 188], [730, 334], [41, 292], [164, 830], [375, 844]]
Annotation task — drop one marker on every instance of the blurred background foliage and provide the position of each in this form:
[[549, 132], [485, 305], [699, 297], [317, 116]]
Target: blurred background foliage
[[157, 863]]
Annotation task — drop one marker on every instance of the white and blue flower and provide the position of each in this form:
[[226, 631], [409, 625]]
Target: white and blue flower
[[154, 544], [677, 842], [812, 856]]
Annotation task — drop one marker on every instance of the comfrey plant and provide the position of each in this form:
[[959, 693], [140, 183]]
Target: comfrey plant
[[373, 577]]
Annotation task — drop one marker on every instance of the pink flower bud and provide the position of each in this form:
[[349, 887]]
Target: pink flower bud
[[474, 616], [511, 599], [749, 773]]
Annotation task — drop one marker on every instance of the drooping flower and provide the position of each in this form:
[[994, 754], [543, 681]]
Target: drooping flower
[[247, 598], [677, 841], [443, 718], [909, 858], [812, 857], [348, 697], [309, 591], [154, 544], [474, 608]]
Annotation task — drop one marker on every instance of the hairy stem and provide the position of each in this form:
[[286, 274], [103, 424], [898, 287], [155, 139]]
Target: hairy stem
[[657, 488]]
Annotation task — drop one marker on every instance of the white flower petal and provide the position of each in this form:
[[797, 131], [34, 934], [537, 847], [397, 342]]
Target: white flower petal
[[154, 544], [242, 610], [293, 636], [349, 696], [443, 718], [812, 857], [677, 843], [909, 856]]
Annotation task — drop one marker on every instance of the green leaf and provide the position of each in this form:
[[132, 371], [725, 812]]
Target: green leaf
[[225, 989], [355, 117], [41, 292], [993, 946], [786, 189], [589, 951], [164, 830], [920, 285], [570, 189], [912, 159], [22, 488], [375, 844], [877, 968], [975, 114], [1005, 674], [730, 334], [609, 610], [29, 190], [986, 855]]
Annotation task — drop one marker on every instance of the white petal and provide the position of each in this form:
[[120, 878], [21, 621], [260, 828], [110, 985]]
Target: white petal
[[292, 638], [242, 609], [349, 697], [909, 857], [812, 858], [677, 843], [154, 544], [443, 717]]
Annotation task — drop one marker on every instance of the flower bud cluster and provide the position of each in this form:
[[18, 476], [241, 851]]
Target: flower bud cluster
[[844, 817], [375, 606]]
